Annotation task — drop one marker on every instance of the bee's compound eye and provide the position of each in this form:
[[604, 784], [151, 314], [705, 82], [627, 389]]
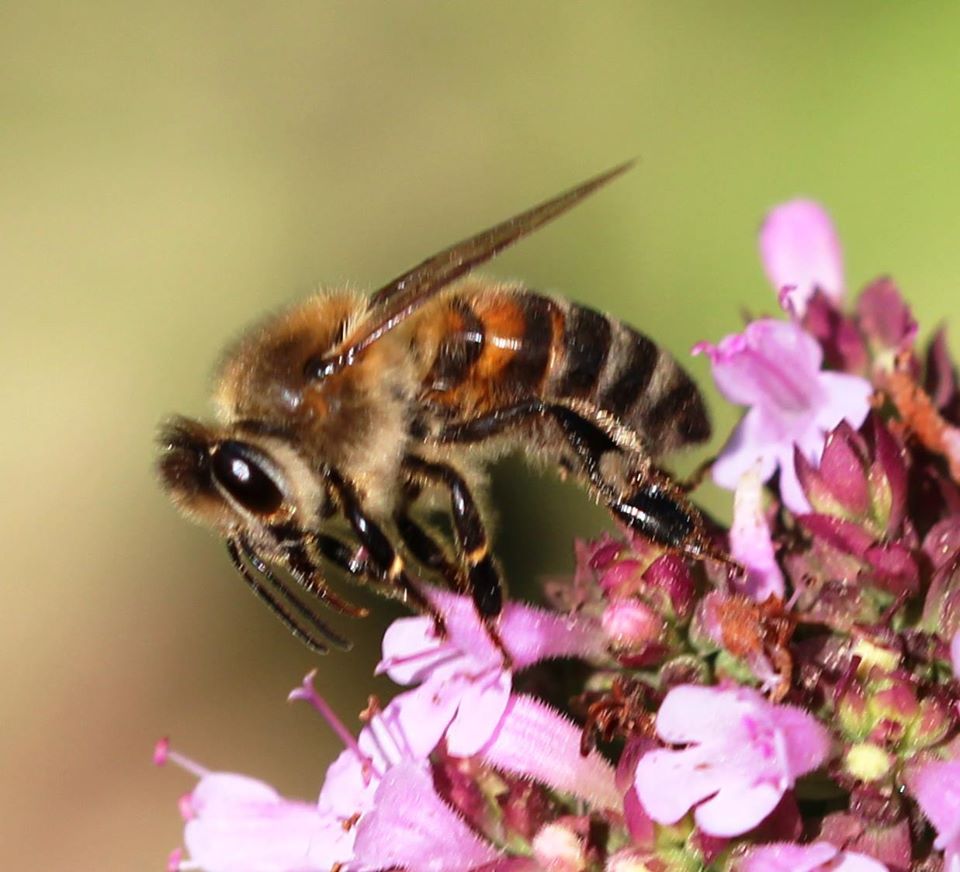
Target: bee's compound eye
[[237, 470]]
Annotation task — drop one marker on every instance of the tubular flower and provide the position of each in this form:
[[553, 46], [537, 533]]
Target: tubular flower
[[464, 685], [801, 253], [774, 368], [750, 542], [235, 823], [412, 828], [742, 755]]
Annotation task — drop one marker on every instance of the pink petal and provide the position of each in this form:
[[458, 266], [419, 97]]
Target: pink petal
[[482, 706], [465, 630], [242, 825], [346, 792], [694, 713], [411, 651], [770, 363], [806, 741], [955, 654], [412, 828], [847, 398], [750, 541], [937, 789], [737, 808], [535, 741], [752, 443], [670, 783], [785, 857], [424, 713], [799, 247], [853, 862], [225, 791], [791, 491]]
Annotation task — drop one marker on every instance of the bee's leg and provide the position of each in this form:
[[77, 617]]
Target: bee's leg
[[380, 551], [350, 559], [428, 551], [281, 605], [483, 574], [648, 503], [492, 424], [307, 574], [644, 499]]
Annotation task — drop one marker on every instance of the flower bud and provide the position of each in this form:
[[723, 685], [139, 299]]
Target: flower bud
[[559, 847], [861, 478], [941, 608], [634, 628]]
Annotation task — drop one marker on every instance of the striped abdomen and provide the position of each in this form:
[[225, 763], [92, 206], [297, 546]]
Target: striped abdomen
[[501, 346]]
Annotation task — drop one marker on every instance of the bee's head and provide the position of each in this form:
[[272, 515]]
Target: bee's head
[[235, 479]]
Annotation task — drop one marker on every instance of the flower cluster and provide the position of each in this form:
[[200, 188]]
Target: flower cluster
[[800, 714]]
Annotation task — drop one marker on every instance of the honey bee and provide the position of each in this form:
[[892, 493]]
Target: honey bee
[[353, 408]]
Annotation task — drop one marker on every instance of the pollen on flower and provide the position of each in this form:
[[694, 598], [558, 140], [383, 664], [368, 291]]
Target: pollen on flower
[[804, 715]]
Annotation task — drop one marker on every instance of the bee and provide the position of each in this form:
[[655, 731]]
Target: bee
[[354, 408]]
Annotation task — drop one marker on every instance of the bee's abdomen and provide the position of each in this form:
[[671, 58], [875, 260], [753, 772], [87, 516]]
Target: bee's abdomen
[[505, 346], [622, 372], [608, 364]]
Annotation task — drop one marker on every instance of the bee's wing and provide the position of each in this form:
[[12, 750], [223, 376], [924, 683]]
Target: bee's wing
[[397, 300]]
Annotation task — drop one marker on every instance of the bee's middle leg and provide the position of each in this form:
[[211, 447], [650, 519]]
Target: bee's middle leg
[[483, 575], [424, 547]]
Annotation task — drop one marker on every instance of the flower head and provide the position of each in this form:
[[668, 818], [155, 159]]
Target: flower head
[[742, 755], [704, 696]]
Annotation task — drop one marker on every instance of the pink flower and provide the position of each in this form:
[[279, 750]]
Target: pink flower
[[239, 824], [936, 787], [377, 807], [750, 541], [955, 654], [465, 693], [801, 253], [412, 828], [774, 368], [818, 857], [464, 685], [743, 754]]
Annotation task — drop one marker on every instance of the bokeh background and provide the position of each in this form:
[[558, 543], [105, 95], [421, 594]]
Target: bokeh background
[[169, 171]]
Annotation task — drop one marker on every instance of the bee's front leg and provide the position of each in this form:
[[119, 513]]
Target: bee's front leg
[[381, 553]]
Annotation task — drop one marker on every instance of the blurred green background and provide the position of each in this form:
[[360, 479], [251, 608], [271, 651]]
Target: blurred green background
[[170, 171]]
